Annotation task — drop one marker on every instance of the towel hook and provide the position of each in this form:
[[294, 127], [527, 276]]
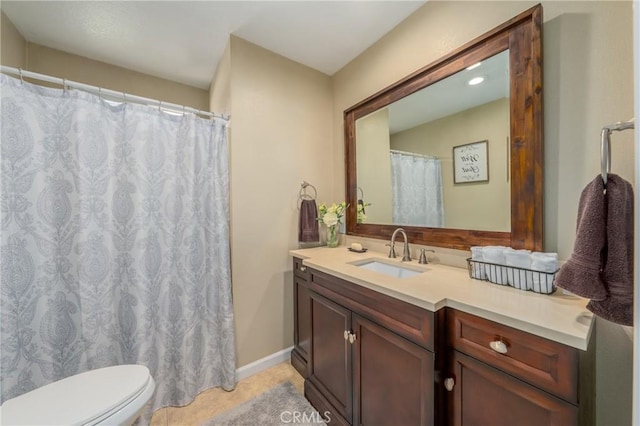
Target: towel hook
[[605, 158], [605, 146]]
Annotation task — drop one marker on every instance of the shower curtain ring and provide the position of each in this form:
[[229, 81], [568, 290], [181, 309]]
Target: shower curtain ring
[[100, 92], [21, 78], [64, 84], [160, 106]]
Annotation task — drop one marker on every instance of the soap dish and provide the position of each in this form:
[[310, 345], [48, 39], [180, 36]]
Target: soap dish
[[364, 250]]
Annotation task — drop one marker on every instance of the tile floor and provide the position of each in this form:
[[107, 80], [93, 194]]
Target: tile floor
[[214, 401]]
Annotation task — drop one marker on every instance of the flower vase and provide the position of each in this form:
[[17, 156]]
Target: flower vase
[[332, 236]]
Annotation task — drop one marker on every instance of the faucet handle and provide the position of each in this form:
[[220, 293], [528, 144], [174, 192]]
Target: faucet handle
[[423, 256]]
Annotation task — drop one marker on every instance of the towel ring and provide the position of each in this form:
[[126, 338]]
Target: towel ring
[[361, 193], [303, 195]]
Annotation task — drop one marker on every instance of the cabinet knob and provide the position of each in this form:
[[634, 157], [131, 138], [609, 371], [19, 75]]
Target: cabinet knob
[[352, 337], [449, 383], [303, 268], [346, 335], [498, 346]]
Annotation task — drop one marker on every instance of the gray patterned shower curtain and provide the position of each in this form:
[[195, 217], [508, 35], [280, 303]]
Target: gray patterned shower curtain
[[115, 243]]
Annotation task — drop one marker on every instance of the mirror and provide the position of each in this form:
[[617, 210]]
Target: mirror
[[454, 164], [426, 134]]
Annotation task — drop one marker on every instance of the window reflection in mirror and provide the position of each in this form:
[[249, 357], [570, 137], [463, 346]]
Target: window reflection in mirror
[[404, 153]]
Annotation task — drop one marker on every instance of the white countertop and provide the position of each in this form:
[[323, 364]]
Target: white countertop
[[559, 317]]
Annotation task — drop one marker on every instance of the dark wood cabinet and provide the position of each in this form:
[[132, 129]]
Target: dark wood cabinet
[[301, 318], [361, 369], [393, 378], [483, 395], [330, 362], [372, 359], [502, 376]]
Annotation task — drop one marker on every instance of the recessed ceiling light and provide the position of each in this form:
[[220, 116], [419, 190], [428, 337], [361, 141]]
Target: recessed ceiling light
[[475, 80], [476, 65]]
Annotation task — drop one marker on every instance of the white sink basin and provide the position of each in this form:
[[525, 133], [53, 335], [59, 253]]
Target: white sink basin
[[396, 271]]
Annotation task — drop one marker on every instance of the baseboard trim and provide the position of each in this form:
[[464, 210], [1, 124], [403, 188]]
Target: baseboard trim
[[263, 363]]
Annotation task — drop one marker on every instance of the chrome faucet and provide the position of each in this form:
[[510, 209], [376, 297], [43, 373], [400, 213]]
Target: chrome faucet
[[392, 250]]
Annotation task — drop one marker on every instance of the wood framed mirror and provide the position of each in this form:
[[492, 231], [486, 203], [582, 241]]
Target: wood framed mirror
[[515, 47]]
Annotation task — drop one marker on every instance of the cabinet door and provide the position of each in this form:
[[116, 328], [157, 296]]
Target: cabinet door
[[483, 395], [330, 360], [301, 326], [393, 378]]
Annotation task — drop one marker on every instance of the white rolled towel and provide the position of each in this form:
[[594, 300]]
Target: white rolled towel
[[495, 255], [543, 265], [477, 269], [518, 278]]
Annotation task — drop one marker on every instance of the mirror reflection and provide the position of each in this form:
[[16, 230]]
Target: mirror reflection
[[408, 153]]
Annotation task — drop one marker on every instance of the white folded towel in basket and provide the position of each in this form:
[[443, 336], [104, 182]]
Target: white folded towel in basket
[[516, 278], [496, 255], [546, 264], [477, 269]]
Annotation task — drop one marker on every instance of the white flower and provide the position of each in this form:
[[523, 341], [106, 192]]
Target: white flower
[[330, 219]]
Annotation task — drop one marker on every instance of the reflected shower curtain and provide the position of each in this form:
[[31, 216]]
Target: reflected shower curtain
[[115, 243], [416, 190]]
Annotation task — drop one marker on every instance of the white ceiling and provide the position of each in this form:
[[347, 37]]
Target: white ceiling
[[452, 94], [184, 40]]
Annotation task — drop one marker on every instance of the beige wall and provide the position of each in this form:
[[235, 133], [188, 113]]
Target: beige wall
[[487, 122], [374, 165], [220, 90], [588, 82], [60, 64], [280, 135], [18, 53], [13, 47]]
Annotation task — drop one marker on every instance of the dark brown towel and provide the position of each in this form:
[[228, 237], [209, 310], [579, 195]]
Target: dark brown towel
[[308, 223], [617, 272], [581, 273]]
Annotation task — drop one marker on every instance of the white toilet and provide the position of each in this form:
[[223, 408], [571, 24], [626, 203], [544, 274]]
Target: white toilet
[[105, 396]]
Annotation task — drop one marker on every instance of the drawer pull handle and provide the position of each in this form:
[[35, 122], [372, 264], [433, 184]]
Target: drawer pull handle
[[449, 383], [346, 334], [498, 346], [352, 337], [303, 268]]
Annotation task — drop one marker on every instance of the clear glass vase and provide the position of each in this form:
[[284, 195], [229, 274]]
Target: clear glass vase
[[332, 236]]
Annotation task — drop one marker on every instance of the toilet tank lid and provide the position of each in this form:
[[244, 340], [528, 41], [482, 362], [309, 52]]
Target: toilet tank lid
[[78, 400]]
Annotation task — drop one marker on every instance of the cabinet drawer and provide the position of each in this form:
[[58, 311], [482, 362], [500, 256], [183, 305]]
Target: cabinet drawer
[[548, 365], [300, 270]]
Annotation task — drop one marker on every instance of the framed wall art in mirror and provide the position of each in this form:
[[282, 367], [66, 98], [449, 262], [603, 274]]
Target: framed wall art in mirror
[[471, 162], [399, 146]]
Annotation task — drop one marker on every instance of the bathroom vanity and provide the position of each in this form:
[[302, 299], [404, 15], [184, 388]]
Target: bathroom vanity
[[436, 347]]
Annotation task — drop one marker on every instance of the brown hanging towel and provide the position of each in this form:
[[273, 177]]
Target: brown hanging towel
[[308, 224]]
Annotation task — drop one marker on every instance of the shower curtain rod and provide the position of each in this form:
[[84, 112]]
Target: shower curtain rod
[[124, 97], [395, 151]]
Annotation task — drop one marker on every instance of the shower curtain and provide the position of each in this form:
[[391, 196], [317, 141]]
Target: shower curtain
[[416, 190], [115, 243]]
